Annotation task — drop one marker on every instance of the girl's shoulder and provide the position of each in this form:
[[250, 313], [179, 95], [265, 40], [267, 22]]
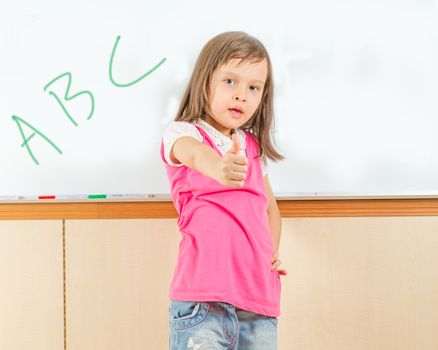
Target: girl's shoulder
[[175, 130], [181, 128]]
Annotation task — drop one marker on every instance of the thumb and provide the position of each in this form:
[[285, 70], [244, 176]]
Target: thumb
[[236, 144]]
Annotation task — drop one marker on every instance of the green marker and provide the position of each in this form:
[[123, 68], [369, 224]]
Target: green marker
[[93, 196]]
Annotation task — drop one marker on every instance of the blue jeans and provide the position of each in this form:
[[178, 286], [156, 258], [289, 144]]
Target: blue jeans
[[213, 325]]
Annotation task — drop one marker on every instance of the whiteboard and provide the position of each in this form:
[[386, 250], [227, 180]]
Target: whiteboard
[[87, 89]]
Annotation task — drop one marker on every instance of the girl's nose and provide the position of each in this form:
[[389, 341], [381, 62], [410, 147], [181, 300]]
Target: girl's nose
[[240, 97]]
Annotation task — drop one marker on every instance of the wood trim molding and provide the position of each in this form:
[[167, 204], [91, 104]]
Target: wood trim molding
[[166, 210]]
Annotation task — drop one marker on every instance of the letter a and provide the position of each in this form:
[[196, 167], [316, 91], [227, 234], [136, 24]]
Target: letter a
[[26, 140]]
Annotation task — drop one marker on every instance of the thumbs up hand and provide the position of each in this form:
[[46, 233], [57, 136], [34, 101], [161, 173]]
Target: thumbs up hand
[[233, 166]]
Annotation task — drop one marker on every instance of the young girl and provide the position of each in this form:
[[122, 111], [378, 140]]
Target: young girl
[[225, 291]]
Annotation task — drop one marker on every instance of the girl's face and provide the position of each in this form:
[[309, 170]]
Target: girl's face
[[235, 93]]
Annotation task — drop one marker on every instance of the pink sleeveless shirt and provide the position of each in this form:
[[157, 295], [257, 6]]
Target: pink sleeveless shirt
[[226, 247]]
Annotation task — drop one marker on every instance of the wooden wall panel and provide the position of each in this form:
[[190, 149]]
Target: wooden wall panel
[[31, 285], [360, 283], [118, 273]]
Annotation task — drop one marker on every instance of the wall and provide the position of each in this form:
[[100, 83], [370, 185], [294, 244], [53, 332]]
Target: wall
[[363, 283]]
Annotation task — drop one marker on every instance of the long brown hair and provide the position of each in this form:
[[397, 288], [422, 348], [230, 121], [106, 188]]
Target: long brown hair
[[215, 53]]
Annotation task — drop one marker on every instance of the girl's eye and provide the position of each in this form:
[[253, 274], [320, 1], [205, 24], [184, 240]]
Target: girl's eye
[[232, 82]]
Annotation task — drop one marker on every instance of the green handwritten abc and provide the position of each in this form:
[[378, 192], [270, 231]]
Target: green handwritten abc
[[69, 97]]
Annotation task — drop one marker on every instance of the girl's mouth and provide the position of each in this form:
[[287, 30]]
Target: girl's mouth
[[235, 112]]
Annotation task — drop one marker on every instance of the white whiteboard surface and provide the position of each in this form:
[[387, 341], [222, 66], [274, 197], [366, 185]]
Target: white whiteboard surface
[[356, 93]]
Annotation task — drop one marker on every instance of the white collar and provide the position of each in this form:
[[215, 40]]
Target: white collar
[[222, 142]]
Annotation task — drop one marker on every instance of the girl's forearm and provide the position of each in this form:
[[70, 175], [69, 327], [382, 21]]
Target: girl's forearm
[[275, 226], [206, 161]]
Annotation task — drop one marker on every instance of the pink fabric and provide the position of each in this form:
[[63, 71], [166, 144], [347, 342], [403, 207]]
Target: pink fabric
[[226, 247]]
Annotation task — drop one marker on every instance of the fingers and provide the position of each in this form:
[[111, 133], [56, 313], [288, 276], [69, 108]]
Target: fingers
[[235, 149], [240, 160], [280, 272], [234, 165], [236, 157], [237, 177], [239, 169], [276, 263], [236, 144]]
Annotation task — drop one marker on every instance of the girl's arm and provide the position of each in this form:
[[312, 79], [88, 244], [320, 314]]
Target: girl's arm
[[229, 170], [195, 155], [274, 216], [275, 225]]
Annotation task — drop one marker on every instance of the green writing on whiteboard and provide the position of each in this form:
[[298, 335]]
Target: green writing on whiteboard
[[136, 80], [27, 139], [68, 97]]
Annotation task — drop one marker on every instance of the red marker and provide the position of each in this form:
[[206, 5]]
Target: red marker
[[46, 197]]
